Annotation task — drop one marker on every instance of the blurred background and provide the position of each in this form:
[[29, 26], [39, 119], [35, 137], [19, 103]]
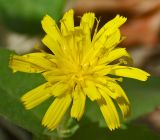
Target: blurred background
[[20, 31]]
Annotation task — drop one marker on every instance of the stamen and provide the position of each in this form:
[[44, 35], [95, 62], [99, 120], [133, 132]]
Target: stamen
[[122, 61], [96, 28]]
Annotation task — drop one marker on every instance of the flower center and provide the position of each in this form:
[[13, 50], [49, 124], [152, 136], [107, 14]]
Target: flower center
[[81, 73]]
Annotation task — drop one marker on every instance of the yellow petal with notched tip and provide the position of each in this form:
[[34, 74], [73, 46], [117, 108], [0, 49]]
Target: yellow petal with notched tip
[[67, 23], [31, 63], [36, 96], [56, 111], [86, 23], [113, 55], [19, 65], [50, 27], [113, 110], [129, 72], [78, 106], [107, 114], [111, 26]]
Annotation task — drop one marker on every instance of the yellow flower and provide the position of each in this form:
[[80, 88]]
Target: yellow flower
[[80, 66]]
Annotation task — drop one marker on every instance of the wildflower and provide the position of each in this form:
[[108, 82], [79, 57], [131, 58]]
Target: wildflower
[[80, 66]]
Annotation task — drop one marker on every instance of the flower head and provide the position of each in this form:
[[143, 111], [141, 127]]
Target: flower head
[[80, 66]]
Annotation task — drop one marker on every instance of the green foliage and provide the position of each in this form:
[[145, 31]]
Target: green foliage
[[25, 15], [144, 97], [133, 132], [12, 86]]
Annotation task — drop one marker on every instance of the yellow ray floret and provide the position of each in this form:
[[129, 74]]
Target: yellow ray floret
[[36, 96], [78, 68], [67, 23], [56, 111], [78, 106]]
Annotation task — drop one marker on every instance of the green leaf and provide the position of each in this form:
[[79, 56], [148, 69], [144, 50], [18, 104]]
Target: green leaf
[[92, 131], [144, 96], [25, 15], [12, 87]]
